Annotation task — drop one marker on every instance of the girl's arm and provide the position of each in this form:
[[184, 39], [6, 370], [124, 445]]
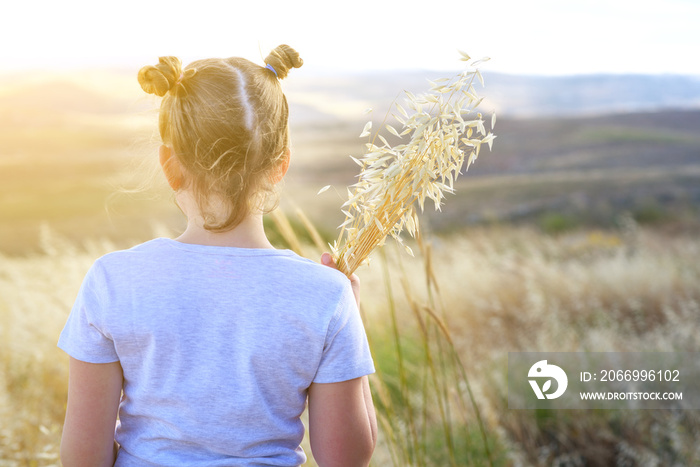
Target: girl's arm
[[342, 423], [342, 420], [94, 391]]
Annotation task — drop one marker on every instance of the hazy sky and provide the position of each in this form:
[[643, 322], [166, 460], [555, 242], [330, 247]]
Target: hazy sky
[[533, 36]]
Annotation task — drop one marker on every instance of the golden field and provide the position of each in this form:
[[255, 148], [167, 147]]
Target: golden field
[[575, 234]]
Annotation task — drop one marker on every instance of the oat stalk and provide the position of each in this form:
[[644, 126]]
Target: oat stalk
[[445, 132]]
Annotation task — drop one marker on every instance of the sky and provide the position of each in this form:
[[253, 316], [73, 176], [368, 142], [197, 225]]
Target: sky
[[535, 37]]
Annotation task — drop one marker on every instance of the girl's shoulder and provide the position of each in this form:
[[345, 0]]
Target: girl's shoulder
[[143, 249], [312, 270], [169, 253]]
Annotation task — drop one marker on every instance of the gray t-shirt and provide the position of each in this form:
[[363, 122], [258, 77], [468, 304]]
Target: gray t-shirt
[[218, 346]]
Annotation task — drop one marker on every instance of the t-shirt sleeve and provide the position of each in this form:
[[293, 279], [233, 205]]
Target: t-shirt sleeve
[[84, 336], [346, 353]]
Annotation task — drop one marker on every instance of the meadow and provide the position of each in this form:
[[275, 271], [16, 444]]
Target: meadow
[[576, 234]]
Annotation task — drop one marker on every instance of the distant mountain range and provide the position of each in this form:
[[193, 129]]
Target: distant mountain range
[[591, 94], [332, 97], [512, 95]]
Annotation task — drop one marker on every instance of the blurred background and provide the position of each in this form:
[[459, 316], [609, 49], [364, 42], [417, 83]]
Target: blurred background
[[597, 105], [578, 232]]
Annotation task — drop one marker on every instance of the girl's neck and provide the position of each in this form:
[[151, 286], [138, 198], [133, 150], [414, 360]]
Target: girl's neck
[[250, 233], [247, 234]]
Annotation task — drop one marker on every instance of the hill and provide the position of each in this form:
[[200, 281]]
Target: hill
[[556, 172]]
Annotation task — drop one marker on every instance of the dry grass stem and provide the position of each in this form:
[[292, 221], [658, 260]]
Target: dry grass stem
[[286, 231]]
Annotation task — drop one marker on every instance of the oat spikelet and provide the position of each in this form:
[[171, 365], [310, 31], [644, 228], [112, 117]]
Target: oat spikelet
[[445, 134]]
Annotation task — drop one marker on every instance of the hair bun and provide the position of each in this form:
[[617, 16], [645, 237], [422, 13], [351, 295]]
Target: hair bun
[[282, 59], [161, 78]]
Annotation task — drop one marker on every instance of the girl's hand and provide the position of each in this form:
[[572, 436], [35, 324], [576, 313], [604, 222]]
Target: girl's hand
[[327, 260]]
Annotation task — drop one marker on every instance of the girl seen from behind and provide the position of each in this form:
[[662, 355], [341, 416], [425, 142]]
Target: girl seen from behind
[[209, 346]]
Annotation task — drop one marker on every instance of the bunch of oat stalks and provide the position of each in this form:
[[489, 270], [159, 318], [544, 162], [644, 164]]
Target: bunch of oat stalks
[[445, 132]]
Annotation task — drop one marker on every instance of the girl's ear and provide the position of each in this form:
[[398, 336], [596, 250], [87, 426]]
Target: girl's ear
[[171, 167], [282, 168]]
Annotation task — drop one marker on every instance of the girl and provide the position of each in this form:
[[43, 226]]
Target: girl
[[207, 347]]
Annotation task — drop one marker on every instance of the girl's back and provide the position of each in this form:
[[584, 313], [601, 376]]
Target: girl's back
[[218, 346]]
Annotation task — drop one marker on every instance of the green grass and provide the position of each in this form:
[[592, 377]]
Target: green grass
[[554, 222], [619, 135]]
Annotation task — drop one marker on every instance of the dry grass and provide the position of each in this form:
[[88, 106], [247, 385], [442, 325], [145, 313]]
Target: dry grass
[[36, 293], [495, 290]]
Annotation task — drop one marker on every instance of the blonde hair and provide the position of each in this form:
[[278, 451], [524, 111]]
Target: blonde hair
[[227, 122]]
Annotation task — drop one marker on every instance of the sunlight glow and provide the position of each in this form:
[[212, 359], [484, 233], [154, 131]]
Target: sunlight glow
[[536, 37]]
